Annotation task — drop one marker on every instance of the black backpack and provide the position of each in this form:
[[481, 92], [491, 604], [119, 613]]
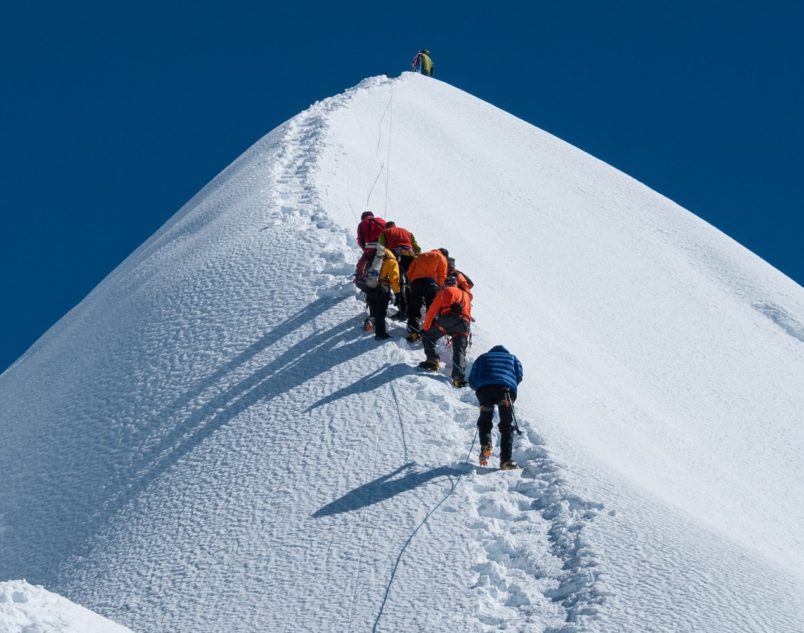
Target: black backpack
[[456, 308]]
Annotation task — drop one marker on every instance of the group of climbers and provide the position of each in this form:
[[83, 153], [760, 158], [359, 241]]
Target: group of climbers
[[393, 264]]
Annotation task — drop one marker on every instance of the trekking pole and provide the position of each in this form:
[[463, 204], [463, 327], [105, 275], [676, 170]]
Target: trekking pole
[[513, 415], [474, 438]]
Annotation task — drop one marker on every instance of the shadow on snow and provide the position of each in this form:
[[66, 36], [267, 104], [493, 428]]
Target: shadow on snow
[[386, 487], [316, 354], [374, 380]]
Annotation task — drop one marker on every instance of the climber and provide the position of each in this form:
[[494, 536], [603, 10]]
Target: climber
[[450, 314], [401, 241], [464, 283], [426, 275], [378, 295], [495, 377], [403, 244], [423, 61], [368, 231]]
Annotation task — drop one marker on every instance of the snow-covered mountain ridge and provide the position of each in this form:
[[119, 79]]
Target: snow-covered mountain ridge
[[208, 442]]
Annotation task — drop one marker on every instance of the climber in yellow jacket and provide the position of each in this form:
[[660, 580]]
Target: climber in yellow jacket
[[425, 62], [379, 296]]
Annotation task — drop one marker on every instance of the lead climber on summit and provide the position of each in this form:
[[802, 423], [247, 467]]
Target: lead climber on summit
[[423, 61]]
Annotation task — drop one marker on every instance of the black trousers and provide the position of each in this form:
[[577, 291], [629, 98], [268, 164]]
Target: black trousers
[[377, 300], [405, 260], [458, 330], [489, 397], [403, 298], [422, 293]]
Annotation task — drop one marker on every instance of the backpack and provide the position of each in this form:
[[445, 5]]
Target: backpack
[[366, 235], [456, 308], [371, 275]]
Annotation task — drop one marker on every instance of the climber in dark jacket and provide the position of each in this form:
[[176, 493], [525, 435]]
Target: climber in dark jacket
[[495, 377]]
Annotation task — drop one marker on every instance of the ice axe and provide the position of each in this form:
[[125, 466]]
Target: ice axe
[[511, 406]]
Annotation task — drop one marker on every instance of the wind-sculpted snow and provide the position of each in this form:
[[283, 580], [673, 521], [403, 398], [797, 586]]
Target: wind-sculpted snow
[[209, 442], [781, 318]]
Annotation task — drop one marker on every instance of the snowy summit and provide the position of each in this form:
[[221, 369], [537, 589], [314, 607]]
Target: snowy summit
[[209, 441]]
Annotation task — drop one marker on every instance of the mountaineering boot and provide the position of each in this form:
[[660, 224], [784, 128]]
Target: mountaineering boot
[[413, 337], [458, 383], [485, 453], [429, 365], [509, 465], [506, 446], [368, 324], [382, 336]]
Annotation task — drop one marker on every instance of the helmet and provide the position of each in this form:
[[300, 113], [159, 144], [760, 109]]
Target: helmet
[[366, 214], [390, 224], [444, 252], [425, 51], [450, 281]]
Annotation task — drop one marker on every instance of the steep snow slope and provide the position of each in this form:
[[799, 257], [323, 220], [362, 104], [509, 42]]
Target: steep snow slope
[[208, 442]]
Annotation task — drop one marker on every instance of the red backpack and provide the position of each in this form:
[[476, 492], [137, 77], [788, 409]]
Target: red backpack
[[369, 230]]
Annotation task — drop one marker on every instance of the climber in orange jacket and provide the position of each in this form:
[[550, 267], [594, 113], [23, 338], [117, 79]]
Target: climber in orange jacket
[[426, 275], [464, 283], [450, 314]]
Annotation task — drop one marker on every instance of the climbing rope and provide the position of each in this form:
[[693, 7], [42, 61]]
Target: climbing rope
[[401, 424], [415, 531], [362, 548], [388, 159], [383, 168]]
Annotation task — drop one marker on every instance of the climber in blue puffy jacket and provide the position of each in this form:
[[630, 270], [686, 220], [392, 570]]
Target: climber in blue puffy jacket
[[495, 377]]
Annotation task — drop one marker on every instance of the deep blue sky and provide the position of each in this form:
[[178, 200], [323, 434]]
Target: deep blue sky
[[114, 115]]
